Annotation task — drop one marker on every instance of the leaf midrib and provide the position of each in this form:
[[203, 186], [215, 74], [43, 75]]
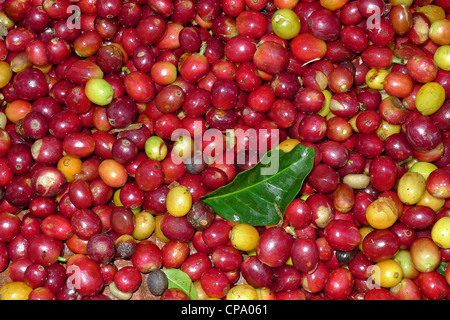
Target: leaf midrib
[[250, 186]]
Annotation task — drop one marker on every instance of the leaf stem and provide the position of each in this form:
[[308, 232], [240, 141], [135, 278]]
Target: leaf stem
[[280, 223], [405, 161]]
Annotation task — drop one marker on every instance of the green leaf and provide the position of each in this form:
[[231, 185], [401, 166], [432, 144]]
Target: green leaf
[[180, 280], [442, 267], [259, 195]]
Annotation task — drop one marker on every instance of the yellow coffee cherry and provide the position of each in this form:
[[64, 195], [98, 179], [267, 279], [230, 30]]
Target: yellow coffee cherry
[[387, 273], [116, 198], [364, 231], [424, 168], [325, 111], [144, 225], [244, 237], [386, 129], [242, 292], [382, 213], [156, 148], [430, 98], [5, 73], [16, 290], [179, 201], [431, 201], [411, 187], [432, 12], [288, 144], [440, 233], [375, 78], [158, 232], [442, 57]]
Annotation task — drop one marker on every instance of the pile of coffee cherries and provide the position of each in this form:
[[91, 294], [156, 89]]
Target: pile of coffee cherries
[[101, 194]]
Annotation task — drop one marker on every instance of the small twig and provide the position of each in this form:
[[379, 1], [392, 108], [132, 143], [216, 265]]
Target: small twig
[[279, 224], [291, 231], [133, 126], [310, 61]]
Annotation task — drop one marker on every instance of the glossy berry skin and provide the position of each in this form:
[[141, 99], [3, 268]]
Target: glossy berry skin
[[127, 279], [57, 227], [298, 213], [274, 247], [226, 258], [100, 248], [43, 250], [176, 228], [339, 284], [286, 278], [342, 235], [256, 273], [380, 244], [90, 280], [215, 283], [433, 285], [383, 173], [217, 233], [305, 254], [10, 226], [195, 265], [149, 168], [147, 257]]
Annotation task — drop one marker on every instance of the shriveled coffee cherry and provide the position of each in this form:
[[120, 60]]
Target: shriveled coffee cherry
[[157, 282], [201, 215]]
